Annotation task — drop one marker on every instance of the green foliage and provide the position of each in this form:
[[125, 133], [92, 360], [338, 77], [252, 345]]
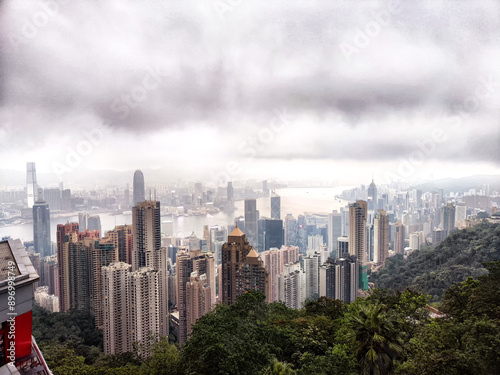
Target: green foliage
[[75, 329], [389, 332], [433, 270], [377, 333], [278, 368], [164, 361]]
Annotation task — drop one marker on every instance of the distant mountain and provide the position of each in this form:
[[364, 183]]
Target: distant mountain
[[461, 184], [433, 270]]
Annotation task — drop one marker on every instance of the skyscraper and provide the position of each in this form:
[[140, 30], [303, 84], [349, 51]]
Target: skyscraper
[[357, 238], [334, 232], [146, 225], [311, 269], [381, 238], [339, 279], [195, 273], [448, 218], [144, 306], [139, 189], [242, 270], [270, 234], [399, 238], [372, 197], [292, 286], [275, 206], [251, 220], [342, 246], [53, 198], [122, 237], [290, 230], [31, 185], [94, 223], [116, 332], [80, 256], [41, 228]]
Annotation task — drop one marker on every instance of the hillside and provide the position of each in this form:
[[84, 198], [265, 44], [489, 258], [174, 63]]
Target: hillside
[[433, 270]]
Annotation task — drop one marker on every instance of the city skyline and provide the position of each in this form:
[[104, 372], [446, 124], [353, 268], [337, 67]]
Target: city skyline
[[256, 91]]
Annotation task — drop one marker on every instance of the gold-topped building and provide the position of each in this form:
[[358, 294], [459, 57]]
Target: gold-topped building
[[242, 269]]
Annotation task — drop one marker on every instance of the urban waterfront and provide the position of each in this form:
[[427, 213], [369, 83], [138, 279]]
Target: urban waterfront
[[295, 201]]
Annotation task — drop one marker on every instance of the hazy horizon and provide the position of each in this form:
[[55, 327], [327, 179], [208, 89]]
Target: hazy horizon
[[217, 91]]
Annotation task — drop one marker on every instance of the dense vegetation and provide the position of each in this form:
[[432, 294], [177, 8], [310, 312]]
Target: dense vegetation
[[388, 332], [433, 270]]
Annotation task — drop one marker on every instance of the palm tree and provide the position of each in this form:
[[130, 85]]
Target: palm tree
[[278, 368], [378, 338]]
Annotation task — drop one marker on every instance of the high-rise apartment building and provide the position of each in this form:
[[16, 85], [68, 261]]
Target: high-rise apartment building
[[380, 237], [135, 304], [139, 188], [195, 273], [117, 331], [146, 223], [274, 261], [241, 270], [292, 286], [122, 237], [342, 246], [80, 257], [198, 299], [311, 270], [339, 279], [143, 312], [357, 238], [399, 238], [41, 228], [448, 218]]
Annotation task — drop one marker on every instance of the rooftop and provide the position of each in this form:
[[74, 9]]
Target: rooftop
[[236, 233]]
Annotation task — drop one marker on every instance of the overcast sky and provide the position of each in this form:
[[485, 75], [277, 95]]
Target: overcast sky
[[289, 89]]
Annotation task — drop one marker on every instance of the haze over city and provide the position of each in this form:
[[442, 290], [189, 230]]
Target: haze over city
[[291, 90]]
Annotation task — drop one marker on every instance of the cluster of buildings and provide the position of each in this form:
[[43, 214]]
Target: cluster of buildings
[[141, 284]]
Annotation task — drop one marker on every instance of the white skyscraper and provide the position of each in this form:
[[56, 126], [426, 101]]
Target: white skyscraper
[[291, 286], [117, 336], [334, 232], [311, 269]]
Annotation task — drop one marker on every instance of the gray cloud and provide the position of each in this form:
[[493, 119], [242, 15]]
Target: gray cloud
[[149, 65]]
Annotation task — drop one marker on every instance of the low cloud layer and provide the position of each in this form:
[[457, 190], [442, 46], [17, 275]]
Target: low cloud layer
[[361, 81]]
